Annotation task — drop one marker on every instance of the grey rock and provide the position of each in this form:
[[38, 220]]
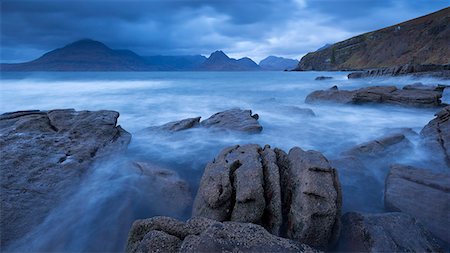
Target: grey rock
[[234, 119], [385, 232], [179, 125], [296, 195], [423, 194], [164, 234], [44, 155], [380, 94], [419, 70], [391, 145], [436, 137], [307, 112], [320, 78]]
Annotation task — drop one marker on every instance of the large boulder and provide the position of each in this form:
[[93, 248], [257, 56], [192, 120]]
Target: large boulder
[[44, 154], [164, 234], [436, 138], [423, 194], [234, 119], [295, 195], [410, 96], [385, 232]]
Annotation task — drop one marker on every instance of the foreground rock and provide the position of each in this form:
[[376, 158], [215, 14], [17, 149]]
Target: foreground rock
[[436, 137], [441, 71], [295, 195], [233, 119], [385, 232], [389, 145], [43, 154], [409, 96], [164, 234], [423, 194]]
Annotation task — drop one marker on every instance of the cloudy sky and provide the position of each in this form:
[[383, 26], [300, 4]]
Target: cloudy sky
[[254, 28]]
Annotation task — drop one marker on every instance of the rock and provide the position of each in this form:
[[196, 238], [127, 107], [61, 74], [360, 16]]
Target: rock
[[423, 194], [434, 70], [179, 125], [297, 195], [380, 94], [234, 119], [173, 193], [389, 145], [385, 232], [319, 78], [436, 137], [162, 234], [44, 154]]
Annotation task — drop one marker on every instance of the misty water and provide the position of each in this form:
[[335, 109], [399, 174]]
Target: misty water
[[99, 213]]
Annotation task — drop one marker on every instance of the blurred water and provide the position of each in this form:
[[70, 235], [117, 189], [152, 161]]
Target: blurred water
[[148, 99]]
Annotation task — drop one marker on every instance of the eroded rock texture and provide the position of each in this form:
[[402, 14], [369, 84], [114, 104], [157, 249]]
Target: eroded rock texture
[[295, 195], [43, 154]]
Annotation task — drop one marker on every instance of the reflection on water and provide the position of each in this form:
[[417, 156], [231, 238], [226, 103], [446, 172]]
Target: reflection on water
[[110, 196]]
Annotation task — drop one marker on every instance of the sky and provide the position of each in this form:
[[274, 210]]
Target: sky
[[252, 28]]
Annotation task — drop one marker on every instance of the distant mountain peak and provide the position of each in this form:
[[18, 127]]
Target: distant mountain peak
[[219, 55]]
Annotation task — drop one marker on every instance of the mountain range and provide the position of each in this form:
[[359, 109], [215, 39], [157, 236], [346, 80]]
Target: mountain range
[[423, 40], [91, 55]]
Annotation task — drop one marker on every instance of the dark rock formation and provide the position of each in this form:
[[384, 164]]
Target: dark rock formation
[[320, 78], [385, 232], [441, 71], [436, 137], [275, 63], [219, 61], [295, 195], [411, 96], [389, 145], [176, 126], [164, 234], [423, 194], [234, 119], [423, 40], [44, 154]]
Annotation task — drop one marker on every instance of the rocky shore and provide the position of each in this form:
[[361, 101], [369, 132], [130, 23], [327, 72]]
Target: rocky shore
[[416, 70], [251, 198]]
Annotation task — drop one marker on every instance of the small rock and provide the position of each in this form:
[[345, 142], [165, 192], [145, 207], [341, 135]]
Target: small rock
[[234, 119], [319, 78]]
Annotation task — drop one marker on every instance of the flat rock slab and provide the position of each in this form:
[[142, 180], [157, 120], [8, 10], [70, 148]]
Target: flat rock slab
[[43, 154], [385, 232], [409, 96], [296, 195], [423, 194], [164, 234]]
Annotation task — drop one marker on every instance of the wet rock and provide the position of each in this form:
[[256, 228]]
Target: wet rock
[[385, 232], [390, 145], [297, 195], [319, 78], [436, 138], [440, 71], [380, 94], [199, 234], [179, 125], [44, 154], [173, 193], [423, 194], [307, 112], [234, 119]]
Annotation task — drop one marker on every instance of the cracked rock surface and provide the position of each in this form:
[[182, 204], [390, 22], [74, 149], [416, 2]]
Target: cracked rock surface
[[296, 195], [164, 234], [43, 154]]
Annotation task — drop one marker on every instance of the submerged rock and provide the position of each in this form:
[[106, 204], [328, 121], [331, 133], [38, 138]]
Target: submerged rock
[[44, 154], [319, 78], [297, 194], [164, 234], [436, 137], [390, 145], [179, 125], [385, 232], [234, 119], [423, 194], [411, 96]]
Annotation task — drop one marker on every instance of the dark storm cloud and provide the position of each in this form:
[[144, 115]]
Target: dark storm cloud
[[254, 28]]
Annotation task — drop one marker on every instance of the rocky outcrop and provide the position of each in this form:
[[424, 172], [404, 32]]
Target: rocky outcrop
[[164, 234], [423, 40], [441, 71], [233, 119], [423, 194], [385, 232], [44, 154], [409, 96], [436, 137], [388, 145], [320, 78], [295, 195]]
